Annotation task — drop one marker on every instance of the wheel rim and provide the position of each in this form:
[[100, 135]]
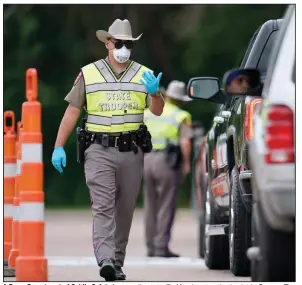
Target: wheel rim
[[207, 223], [231, 234]]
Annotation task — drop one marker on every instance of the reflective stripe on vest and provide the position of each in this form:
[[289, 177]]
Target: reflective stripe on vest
[[104, 71], [170, 120], [114, 86], [165, 128], [134, 68], [114, 120], [114, 105]]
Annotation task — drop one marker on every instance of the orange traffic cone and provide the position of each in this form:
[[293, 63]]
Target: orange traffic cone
[[31, 264]]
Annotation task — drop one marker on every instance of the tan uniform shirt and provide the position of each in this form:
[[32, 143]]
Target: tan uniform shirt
[[77, 98], [185, 130]]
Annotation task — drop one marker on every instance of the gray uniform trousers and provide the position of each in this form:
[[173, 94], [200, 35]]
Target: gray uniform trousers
[[113, 179], [160, 193]]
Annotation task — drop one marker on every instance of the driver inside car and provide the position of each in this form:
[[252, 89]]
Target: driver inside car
[[236, 81]]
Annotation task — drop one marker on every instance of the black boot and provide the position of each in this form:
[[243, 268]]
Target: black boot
[[120, 275], [167, 253], [107, 270], [150, 253]]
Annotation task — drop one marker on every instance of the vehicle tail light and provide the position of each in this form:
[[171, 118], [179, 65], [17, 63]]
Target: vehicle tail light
[[252, 107], [280, 135]]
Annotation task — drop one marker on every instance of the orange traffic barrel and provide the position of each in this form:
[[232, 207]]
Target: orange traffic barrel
[[31, 264], [9, 178], [16, 203]]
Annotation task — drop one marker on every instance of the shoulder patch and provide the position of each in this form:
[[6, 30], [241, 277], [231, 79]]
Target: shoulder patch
[[186, 121], [78, 78]]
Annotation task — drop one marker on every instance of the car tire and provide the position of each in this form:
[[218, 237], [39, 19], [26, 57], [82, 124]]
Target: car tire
[[255, 261], [278, 253], [202, 221], [239, 230], [201, 235], [216, 254]]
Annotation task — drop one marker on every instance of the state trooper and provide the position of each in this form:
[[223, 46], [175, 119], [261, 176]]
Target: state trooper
[[171, 135], [114, 93]]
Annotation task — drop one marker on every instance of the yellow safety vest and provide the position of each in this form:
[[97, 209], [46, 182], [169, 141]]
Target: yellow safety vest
[[165, 128], [114, 105]]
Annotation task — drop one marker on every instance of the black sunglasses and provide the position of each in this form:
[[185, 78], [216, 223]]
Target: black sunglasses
[[119, 44]]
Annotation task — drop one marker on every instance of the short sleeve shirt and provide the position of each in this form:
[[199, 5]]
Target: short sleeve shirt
[[185, 130], [76, 96]]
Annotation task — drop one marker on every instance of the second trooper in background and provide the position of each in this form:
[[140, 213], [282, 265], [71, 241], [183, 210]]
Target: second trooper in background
[[171, 134]]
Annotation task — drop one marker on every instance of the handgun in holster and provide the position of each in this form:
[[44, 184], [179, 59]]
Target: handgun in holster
[[81, 141], [173, 155], [145, 139]]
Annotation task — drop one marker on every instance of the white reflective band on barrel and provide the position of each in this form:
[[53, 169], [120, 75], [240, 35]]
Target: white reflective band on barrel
[[115, 86], [131, 72], [31, 211], [8, 211], [115, 120], [19, 163], [31, 152], [16, 215], [164, 141], [10, 169]]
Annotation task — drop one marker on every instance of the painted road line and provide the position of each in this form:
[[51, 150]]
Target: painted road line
[[182, 262]]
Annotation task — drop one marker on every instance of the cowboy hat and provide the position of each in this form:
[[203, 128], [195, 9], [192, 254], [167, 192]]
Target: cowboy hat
[[177, 90], [120, 30]]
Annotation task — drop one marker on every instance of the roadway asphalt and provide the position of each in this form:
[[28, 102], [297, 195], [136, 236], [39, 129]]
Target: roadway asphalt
[[70, 254]]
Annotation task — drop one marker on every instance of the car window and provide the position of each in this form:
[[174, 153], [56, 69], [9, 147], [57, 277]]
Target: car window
[[247, 53], [264, 58]]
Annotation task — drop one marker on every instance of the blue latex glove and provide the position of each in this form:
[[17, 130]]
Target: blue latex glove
[[59, 158], [151, 82]]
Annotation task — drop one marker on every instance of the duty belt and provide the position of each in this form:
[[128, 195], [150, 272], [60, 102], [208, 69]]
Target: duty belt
[[124, 142]]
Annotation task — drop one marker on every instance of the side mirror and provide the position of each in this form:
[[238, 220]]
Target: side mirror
[[206, 88], [243, 82]]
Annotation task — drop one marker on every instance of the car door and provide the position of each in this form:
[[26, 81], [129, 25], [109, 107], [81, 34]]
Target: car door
[[219, 159], [221, 182], [250, 103]]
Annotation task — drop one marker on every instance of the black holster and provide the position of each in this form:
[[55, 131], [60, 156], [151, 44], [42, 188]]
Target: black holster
[[83, 141], [173, 156], [144, 139]]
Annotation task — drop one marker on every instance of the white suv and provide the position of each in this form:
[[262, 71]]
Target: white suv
[[272, 159]]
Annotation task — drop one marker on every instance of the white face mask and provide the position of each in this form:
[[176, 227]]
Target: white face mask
[[121, 55]]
